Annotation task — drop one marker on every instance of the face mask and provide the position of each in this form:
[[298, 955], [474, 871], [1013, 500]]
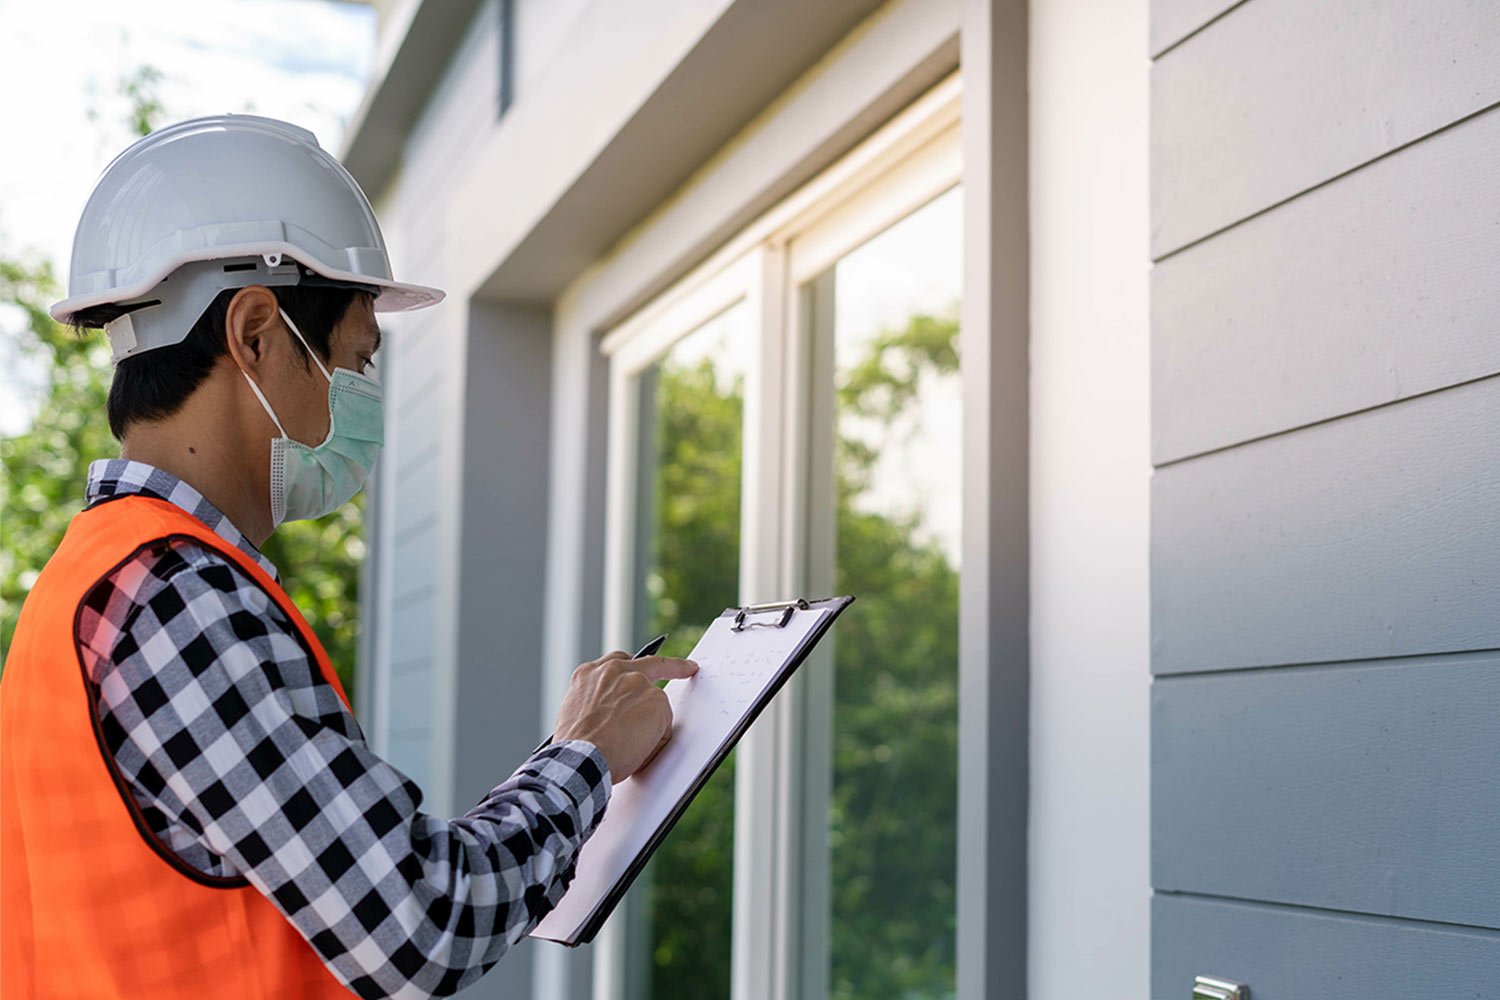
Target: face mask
[[308, 482]]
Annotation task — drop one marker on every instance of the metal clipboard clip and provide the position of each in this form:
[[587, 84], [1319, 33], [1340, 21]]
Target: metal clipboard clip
[[787, 609]]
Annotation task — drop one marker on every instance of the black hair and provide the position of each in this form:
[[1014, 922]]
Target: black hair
[[155, 385]]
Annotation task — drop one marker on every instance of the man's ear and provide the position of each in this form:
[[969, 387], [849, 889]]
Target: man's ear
[[251, 329]]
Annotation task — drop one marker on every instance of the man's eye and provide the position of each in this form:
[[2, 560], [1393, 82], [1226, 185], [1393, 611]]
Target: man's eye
[[367, 365]]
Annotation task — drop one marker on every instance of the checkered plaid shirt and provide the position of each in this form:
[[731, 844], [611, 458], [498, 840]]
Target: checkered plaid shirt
[[246, 764]]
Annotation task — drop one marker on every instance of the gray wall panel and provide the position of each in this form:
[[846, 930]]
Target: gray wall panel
[[1367, 787], [1174, 20], [1371, 536], [1284, 94], [1367, 290], [502, 515], [1289, 954], [504, 532]]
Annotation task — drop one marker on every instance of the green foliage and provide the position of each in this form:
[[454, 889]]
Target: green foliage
[[892, 815], [696, 547], [45, 469], [319, 563], [146, 108], [694, 575], [892, 823]]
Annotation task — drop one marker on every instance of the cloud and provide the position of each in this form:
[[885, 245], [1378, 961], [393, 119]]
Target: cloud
[[62, 62], [301, 60]]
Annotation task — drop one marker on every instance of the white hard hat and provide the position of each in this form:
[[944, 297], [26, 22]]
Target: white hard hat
[[215, 203]]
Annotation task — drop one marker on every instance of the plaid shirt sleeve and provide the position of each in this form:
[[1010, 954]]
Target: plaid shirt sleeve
[[247, 763]]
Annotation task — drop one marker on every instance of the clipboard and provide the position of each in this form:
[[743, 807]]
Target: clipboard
[[653, 800]]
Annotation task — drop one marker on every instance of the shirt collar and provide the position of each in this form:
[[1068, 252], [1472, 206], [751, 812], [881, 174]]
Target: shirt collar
[[110, 477]]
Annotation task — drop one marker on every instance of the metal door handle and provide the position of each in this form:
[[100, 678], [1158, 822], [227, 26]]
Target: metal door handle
[[1208, 988]]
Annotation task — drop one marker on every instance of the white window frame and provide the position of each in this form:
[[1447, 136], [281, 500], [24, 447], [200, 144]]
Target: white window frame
[[780, 934]]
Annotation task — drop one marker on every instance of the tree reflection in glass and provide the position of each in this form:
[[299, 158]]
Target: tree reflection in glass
[[692, 413]]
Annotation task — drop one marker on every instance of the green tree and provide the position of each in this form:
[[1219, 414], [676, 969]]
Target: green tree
[[891, 823], [45, 468], [693, 576]]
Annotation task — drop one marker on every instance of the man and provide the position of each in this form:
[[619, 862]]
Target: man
[[187, 806]]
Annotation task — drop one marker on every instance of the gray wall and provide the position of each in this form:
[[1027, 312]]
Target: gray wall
[[1325, 555], [424, 366]]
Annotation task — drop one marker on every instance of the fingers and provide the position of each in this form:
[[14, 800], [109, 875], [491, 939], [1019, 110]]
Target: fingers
[[618, 654], [664, 668], [666, 738]]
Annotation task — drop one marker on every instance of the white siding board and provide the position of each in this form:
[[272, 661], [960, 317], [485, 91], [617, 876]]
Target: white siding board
[[1290, 954], [419, 448], [410, 752], [417, 468], [464, 105], [422, 377], [1284, 94], [415, 564], [415, 496], [411, 701], [411, 633], [1350, 787], [422, 429], [1370, 536], [1370, 289], [408, 345], [1174, 20], [541, 26]]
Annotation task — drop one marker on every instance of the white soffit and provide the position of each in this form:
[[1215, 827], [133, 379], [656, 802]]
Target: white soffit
[[413, 51], [869, 84], [635, 101]]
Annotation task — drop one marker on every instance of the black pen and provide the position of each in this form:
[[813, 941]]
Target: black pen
[[649, 649]]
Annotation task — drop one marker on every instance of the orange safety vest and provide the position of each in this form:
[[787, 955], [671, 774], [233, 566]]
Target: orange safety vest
[[92, 905]]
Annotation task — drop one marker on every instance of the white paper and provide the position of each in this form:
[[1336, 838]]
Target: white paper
[[734, 669]]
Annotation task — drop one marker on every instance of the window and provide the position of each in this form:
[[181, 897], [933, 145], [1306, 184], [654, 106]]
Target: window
[[687, 571], [786, 420], [885, 322]]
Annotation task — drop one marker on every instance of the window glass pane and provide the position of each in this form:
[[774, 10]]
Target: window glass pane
[[688, 539], [897, 477]]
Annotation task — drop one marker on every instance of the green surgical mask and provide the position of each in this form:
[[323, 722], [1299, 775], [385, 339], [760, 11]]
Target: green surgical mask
[[310, 481]]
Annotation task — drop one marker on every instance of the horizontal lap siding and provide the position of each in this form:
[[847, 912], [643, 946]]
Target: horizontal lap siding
[[423, 370], [1315, 955], [1326, 504], [1375, 288], [1281, 95], [1368, 787], [1374, 535], [1174, 20]]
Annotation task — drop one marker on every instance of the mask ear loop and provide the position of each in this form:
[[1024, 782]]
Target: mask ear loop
[[263, 404], [311, 353]]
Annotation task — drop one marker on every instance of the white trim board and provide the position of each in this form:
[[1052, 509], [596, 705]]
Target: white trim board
[[919, 144], [890, 61]]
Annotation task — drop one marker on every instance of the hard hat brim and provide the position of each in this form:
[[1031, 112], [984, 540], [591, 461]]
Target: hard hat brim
[[394, 296]]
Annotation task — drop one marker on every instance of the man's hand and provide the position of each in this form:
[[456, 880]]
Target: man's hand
[[614, 703]]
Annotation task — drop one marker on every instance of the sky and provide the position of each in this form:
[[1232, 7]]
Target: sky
[[61, 67]]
